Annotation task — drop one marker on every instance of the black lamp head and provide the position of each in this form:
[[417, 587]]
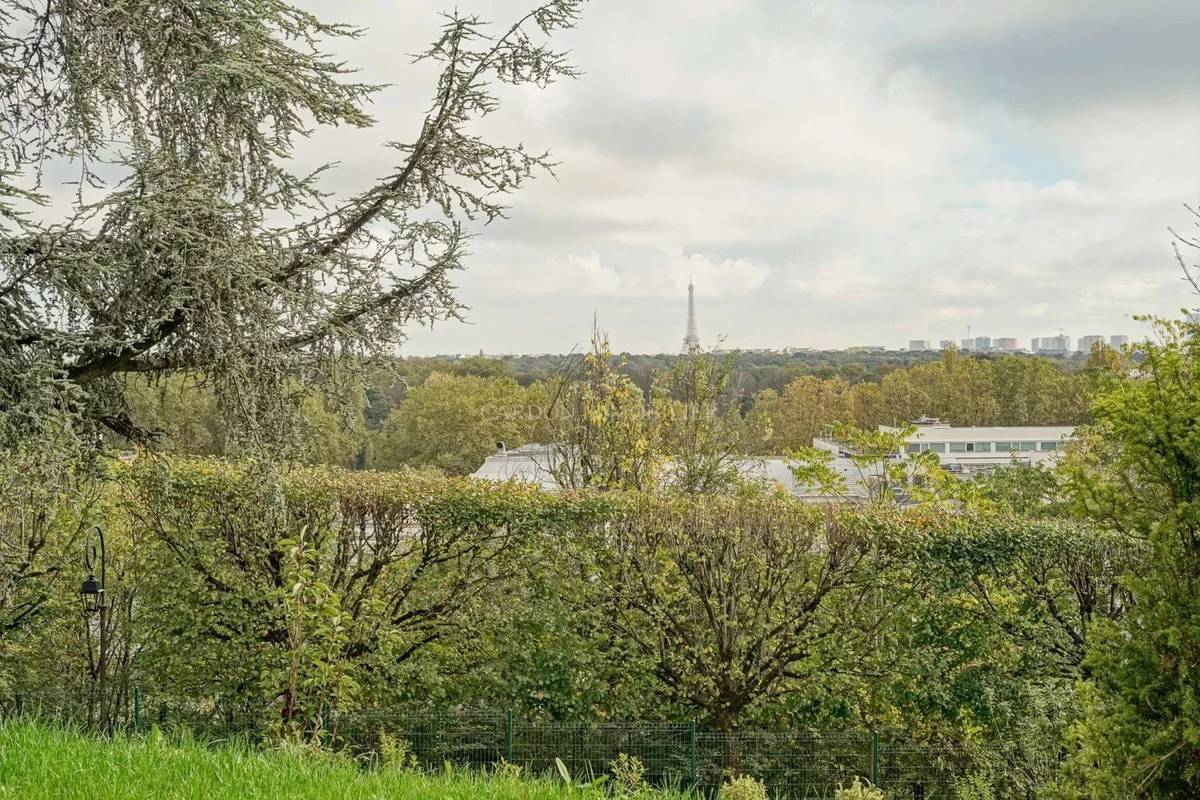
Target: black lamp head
[[91, 594]]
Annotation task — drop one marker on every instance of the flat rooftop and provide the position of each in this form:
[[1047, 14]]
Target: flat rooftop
[[533, 464], [999, 433]]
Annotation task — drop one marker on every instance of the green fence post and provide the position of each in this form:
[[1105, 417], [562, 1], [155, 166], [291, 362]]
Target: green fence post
[[508, 736], [875, 758], [693, 767], [137, 709]]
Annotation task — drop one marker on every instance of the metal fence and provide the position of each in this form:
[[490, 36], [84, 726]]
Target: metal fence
[[797, 765], [794, 765]]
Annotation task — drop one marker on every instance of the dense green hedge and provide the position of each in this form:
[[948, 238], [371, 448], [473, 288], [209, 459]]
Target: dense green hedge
[[249, 596]]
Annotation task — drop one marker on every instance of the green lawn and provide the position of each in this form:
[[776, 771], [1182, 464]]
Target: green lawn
[[40, 763]]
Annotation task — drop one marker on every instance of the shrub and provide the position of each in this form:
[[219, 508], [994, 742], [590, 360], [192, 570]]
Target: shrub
[[394, 753], [507, 770], [858, 790], [973, 787], [743, 787], [629, 774]]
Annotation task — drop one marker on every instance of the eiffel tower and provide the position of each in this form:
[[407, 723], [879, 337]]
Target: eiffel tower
[[691, 342]]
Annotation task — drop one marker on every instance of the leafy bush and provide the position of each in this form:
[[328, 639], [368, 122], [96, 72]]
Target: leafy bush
[[628, 773], [394, 753], [858, 790], [743, 787], [973, 787], [507, 770]]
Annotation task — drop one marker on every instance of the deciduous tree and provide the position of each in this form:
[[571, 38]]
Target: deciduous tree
[[703, 436], [1136, 471], [453, 422], [601, 435], [739, 600], [806, 408]]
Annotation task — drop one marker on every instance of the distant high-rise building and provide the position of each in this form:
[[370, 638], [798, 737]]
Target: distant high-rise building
[[983, 344], [919, 344], [691, 340], [1006, 344], [945, 344], [1052, 345], [966, 345], [1087, 342], [1118, 341]]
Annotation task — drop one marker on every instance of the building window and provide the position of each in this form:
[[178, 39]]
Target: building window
[[937, 447], [1050, 445], [980, 447], [913, 447], [959, 447], [1028, 446]]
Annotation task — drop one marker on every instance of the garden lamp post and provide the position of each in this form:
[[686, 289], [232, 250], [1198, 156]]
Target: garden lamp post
[[94, 604]]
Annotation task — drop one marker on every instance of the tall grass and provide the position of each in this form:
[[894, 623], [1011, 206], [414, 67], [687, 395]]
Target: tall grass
[[45, 763]]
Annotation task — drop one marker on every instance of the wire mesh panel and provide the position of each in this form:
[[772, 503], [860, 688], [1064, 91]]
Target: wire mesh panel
[[919, 771], [796, 765], [466, 739], [63, 707], [588, 750], [126, 709]]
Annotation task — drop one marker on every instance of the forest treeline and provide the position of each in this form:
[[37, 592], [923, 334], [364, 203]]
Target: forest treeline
[[448, 414]]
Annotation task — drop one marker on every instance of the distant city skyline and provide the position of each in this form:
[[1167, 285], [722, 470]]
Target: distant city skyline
[[1059, 342], [1056, 343]]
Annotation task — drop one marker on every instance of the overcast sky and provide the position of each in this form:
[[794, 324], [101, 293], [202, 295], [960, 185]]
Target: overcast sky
[[831, 173]]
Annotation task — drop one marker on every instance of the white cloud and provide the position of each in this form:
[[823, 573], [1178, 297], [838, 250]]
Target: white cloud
[[587, 275], [843, 277]]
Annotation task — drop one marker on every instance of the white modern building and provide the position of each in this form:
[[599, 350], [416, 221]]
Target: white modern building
[[1052, 345], [919, 344], [1006, 344], [1086, 343], [973, 450], [1117, 341]]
